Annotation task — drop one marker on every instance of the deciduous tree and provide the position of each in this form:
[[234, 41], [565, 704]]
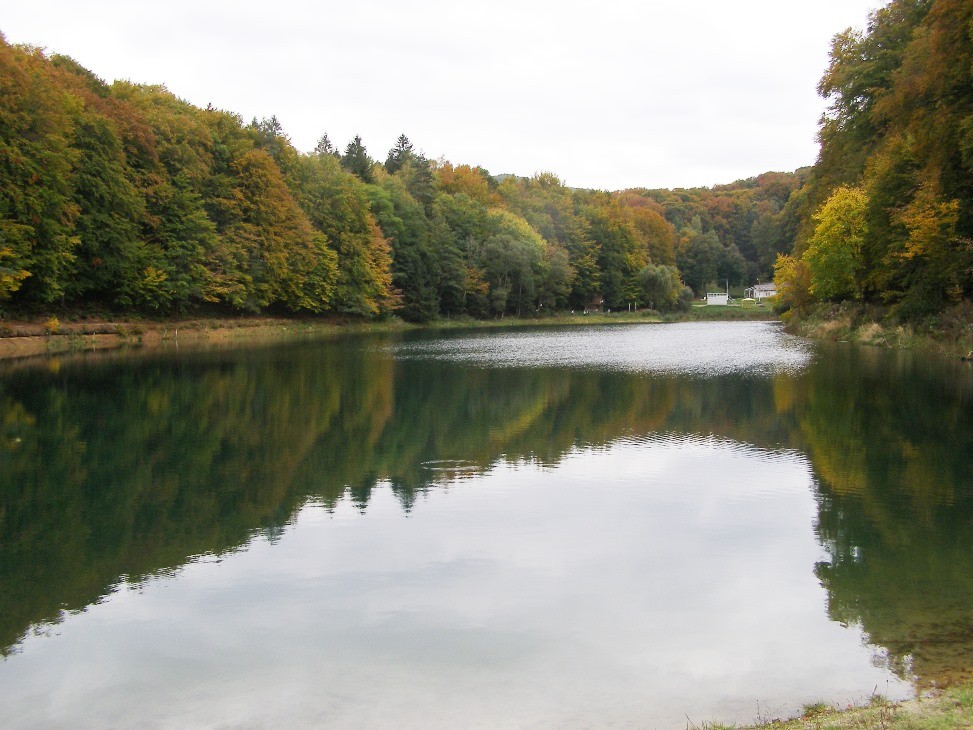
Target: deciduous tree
[[834, 253]]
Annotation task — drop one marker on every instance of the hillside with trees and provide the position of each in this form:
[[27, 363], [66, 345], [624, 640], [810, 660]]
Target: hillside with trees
[[886, 216], [123, 197]]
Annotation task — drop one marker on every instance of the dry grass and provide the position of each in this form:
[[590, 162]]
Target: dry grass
[[949, 333], [947, 710]]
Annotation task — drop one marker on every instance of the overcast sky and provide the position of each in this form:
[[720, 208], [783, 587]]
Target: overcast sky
[[606, 94]]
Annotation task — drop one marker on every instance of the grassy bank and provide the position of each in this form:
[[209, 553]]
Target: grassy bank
[[732, 313], [946, 710], [694, 314], [948, 333], [75, 333]]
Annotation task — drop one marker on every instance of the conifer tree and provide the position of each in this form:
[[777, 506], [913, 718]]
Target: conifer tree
[[357, 161], [325, 147], [399, 155]]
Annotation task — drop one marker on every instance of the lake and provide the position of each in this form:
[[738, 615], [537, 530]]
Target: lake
[[636, 525]]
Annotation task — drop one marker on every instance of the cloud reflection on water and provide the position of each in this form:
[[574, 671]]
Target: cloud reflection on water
[[634, 582], [691, 348]]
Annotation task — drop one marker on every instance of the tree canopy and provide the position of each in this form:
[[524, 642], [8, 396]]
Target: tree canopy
[[896, 148], [124, 196]]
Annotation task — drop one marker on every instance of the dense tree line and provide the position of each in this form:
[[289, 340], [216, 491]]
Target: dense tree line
[[730, 233], [887, 213], [128, 197], [124, 196]]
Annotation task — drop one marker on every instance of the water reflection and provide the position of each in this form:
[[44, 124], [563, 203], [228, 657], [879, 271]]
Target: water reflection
[[625, 584], [890, 440], [698, 348], [128, 470]]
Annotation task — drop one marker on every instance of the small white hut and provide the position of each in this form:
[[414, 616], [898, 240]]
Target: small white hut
[[762, 291], [719, 297]]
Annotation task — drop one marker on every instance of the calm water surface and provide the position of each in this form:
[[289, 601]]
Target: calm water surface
[[607, 526]]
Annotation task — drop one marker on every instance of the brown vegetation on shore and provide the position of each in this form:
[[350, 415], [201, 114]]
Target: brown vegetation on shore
[[30, 338], [948, 333]]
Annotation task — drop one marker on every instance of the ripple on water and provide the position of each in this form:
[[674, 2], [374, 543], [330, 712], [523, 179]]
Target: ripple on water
[[703, 349], [452, 465]]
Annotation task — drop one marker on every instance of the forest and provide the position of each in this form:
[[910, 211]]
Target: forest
[[886, 214], [124, 197]]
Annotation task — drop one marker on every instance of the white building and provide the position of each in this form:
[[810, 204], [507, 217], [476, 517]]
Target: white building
[[762, 291], [720, 297]]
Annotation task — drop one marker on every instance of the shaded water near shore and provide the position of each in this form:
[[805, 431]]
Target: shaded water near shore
[[567, 527]]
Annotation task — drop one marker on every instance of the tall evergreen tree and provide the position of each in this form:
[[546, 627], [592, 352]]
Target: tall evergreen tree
[[357, 161], [399, 155], [325, 147]]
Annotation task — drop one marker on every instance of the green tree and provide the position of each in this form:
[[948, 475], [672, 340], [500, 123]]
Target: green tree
[[768, 237], [414, 266], [462, 225], [110, 208], [861, 72], [336, 203], [621, 251], [173, 276], [38, 242], [557, 213], [732, 266], [834, 252], [357, 161], [325, 147], [555, 278], [698, 256], [511, 259], [399, 155], [662, 289]]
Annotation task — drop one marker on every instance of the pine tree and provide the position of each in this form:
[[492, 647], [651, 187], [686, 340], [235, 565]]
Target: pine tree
[[357, 161], [325, 147], [399, 155]]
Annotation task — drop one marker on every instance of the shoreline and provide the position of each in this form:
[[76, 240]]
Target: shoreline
[[36, 338], [951, 707], [949, 334]]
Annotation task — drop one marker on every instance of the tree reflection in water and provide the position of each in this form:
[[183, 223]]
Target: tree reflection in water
[[121, 470]]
